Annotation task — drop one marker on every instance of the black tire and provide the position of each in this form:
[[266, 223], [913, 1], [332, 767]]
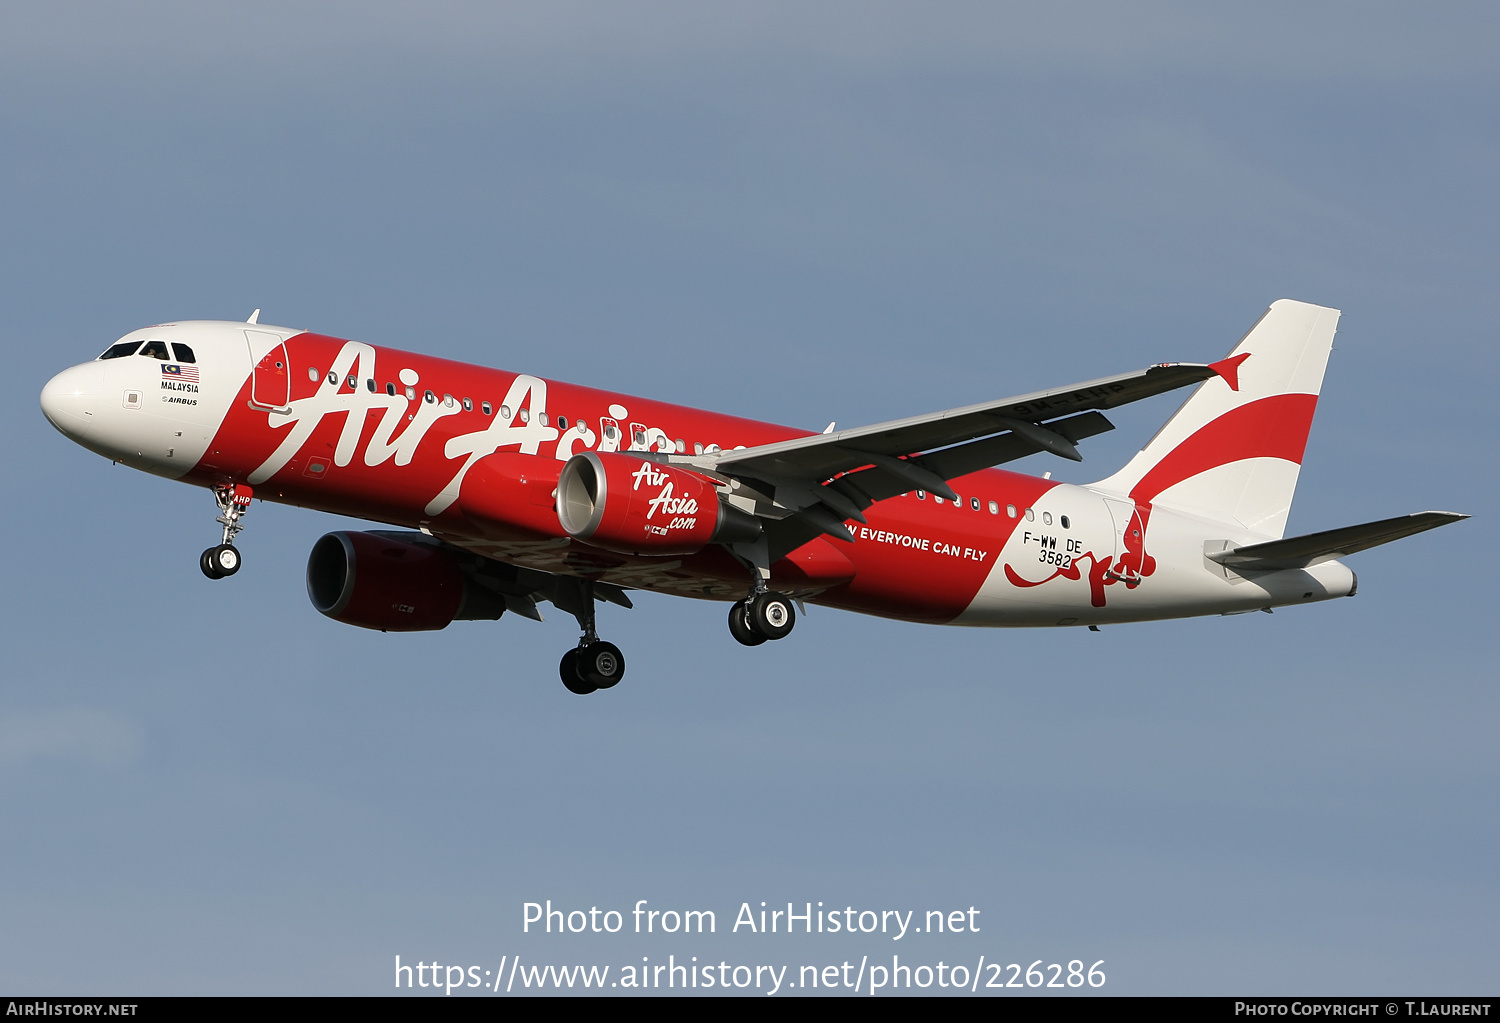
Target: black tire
[[568, 671], [772, 615], [601, 664], [206, 563], [739, 625], [225, 559]]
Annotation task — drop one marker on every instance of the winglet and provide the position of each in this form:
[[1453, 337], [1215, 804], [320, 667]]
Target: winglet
[[1229, 369]]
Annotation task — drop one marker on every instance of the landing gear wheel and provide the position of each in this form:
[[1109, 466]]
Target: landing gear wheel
[[223, 559], [601, 664], [568, 670], [772, 615], [205, 562], [739, 625]]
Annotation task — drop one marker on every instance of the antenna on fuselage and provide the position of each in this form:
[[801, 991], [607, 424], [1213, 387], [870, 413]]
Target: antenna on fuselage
[[254, 317]]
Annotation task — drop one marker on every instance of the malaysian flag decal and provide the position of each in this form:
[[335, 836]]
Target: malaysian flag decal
[[187, 374]]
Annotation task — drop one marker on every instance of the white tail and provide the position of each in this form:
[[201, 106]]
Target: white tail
[[1234, 449]]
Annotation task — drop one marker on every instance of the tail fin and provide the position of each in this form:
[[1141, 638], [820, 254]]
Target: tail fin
[[1233, 451]]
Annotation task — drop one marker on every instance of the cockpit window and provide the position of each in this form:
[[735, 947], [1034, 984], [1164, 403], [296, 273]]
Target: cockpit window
[[121, 350], [155, 349], [183, 352]]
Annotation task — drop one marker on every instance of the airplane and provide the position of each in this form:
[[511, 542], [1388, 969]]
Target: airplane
[[510, 490]]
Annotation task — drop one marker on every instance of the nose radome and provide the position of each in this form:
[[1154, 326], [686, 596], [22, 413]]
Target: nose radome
[[71, 398]]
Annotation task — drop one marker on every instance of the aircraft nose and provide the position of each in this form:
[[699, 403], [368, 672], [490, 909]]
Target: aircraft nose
[[70, 400]]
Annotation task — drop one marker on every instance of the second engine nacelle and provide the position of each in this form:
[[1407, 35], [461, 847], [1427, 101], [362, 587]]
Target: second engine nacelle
[[634, 506], [379, 582]]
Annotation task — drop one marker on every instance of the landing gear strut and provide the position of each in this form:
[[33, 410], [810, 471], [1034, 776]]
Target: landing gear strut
[[593, 664], [762, 616], [224, 560]]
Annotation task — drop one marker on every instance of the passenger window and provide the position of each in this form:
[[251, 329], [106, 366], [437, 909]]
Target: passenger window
[[468, 405], [1010, 510], [1046, 518], [183, 352], [698, 448], [429, 397], [333, 378], [447, 401], [974, 503], [504, 411], [1065, 523], [994, 507], [120, 350], [541, 417], [1030, 515], [370, 385], [313, 374], [921, 495], [390, 389], [562, 422], [525, 415], [155, 349], [681, 445], [411, 394], [484, 407]]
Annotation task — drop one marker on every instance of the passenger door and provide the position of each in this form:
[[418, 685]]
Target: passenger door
[[271, 381]]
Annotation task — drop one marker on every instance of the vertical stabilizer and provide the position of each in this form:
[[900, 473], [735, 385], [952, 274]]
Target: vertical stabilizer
[[1233, 451]]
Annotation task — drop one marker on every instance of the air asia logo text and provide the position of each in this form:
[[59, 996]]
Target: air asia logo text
[[523, 424], [664, 502], [651, 474]]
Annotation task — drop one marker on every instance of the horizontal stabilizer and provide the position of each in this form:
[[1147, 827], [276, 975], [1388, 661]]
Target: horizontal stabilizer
[[1302, 551]]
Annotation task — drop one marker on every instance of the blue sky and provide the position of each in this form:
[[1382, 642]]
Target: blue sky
[[798, 212]]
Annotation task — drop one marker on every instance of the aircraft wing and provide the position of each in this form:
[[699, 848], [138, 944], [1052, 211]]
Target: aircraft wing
[[1302, 551], [826, 479], [520, 589]]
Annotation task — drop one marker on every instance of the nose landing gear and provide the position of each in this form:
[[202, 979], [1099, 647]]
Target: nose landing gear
[[224, 560], [218, 562]]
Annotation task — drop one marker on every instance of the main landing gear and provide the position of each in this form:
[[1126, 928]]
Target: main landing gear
[[760, 617], [224, 560], [593, 664]]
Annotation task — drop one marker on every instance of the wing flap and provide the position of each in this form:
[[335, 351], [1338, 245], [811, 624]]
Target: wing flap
[[962, 459], [882, 479]]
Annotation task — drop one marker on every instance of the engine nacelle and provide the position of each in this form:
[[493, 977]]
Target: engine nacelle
[[379, 582], [634, 506]]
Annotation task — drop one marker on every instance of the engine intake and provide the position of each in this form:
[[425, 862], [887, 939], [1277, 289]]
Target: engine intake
[[634, 506], [379, 582]]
